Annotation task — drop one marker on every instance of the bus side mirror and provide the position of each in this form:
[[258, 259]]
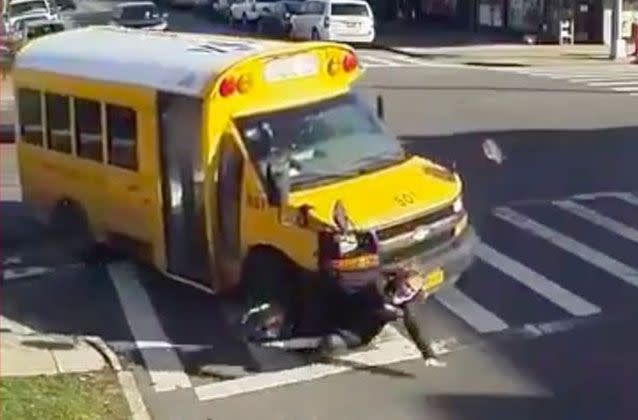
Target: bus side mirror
[[380, 112], [278, 178]]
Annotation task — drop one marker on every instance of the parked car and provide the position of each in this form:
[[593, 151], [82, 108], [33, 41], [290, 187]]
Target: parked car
[[19, 9], [139, 15], [65, 5], [221, 8], [276, 21], [334, 20], [27, 30], [185, 3], [248, 11]]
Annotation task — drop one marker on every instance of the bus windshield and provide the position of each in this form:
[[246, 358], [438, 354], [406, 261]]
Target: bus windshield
[[328, 140]]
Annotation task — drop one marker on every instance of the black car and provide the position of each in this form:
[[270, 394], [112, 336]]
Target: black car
[[64, 5], [275, 19], [139, 15]]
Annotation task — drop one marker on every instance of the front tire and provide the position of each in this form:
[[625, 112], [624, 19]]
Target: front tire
[[267, 295]]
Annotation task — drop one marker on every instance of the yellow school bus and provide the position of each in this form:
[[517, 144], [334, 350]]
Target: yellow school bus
[[227, 162]]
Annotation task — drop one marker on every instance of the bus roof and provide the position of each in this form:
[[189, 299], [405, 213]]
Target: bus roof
[[181, 63]]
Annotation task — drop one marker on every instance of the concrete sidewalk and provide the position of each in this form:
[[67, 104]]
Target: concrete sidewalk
[[518, 55], [441, 44], [24, 352]]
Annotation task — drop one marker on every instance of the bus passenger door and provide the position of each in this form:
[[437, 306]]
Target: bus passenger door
[[182, 178], [229, 181]]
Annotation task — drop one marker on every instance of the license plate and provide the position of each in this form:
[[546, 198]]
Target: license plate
[[433, 279], [427, 282], [351, 24]]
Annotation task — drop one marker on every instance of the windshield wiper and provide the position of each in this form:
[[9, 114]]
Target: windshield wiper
[[318, 177], [372, 163]]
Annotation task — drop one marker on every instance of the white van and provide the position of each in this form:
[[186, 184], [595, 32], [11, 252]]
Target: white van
[[334, 20]]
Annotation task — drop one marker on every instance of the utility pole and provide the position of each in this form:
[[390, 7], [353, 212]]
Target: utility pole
[[618, 48]]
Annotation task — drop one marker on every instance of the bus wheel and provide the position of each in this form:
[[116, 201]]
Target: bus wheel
[[267, 293], [70, 224]]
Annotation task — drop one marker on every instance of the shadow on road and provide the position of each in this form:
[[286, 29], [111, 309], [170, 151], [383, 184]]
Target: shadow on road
[[46, 288], [590, 372], [584, 374], [539, 164]]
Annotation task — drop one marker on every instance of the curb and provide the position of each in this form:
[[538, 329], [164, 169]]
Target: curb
[[125, 378], [382, 47]]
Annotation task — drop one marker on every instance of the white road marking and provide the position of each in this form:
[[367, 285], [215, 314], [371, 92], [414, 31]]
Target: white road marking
[[12, 261], [373, 61], [621, 195], [625, 89], [15, 326], [551, 291], [164, 366], [22, 272], [127, 346], [599, 219], [628, 198], [614, 82], [590, 255], [469, 311], [394, 348], [579, 196], [408, 60]]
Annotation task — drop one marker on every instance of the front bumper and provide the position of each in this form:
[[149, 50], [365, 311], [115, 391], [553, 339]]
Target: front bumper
[[355, 38], [453, 258]]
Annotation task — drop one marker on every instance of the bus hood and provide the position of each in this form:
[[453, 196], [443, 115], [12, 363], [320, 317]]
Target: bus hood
[[378, 198]]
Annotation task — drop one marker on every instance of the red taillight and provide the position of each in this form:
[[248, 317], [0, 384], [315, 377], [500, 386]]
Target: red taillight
[[227, 87], [349, 62]]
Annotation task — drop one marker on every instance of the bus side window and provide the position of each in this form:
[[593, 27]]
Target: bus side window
[[122, 136], [30, 116], [58, 122], [88, 126]]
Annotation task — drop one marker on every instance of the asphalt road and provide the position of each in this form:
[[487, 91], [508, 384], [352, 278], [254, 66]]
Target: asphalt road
[[543, 326]]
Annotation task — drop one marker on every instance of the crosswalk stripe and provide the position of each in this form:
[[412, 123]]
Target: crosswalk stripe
[[470, 311], [570, 71], [569, 75], [551, 291], [614, 82], [376, 61], [598, 219], [625, 89], [608, 78], [628, 198], [408, 60], [590, 255], [164, 367]]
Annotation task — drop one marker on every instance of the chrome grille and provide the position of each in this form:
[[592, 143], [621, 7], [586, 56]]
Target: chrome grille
[[409, 226]]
